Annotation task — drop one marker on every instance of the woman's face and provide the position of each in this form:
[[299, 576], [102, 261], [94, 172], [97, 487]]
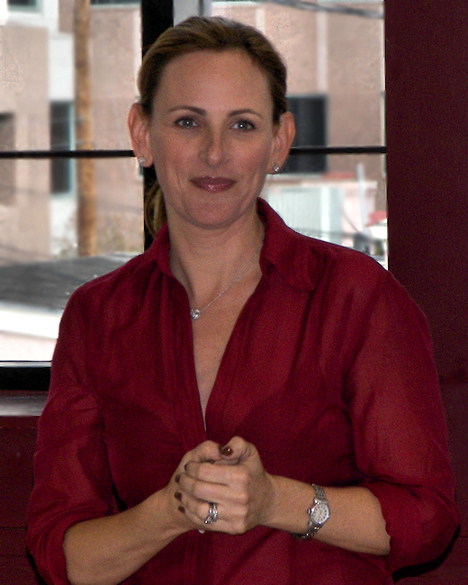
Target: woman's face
[[211, 137]]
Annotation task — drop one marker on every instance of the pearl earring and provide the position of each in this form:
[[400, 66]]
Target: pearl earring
[[141, 160], [276, 168]]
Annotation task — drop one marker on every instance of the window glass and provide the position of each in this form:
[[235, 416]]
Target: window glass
[[61, 135], [40, 197], [334, 52], [342, 208], [7, 167], [22, 3], [311, 130]]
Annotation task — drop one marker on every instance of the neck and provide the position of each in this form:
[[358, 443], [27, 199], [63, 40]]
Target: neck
[[208, 262]]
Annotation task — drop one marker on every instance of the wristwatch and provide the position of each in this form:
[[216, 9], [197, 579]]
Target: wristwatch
[[319, 513]]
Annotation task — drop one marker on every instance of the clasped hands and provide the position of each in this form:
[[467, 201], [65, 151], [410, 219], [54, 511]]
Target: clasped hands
[[232, 477]]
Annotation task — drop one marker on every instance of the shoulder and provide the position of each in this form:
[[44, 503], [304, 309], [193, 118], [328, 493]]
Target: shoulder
[[354, 278], [342, 276], [345, 267], [116, 290], [138, 268], [306, 262]]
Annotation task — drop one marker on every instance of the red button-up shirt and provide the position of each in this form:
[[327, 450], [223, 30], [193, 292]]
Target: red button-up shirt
[[328, 372]]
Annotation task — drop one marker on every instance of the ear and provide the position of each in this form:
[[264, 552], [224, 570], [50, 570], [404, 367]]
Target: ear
[[284, 136], [138, 123]]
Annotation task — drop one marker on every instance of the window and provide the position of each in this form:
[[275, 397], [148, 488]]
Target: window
[[22, 3], [40, 194], [7, 167], [333, 183], [311, 130], [61, 139], [335, 65]]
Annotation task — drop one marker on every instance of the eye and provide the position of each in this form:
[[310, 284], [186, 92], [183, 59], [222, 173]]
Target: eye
[[244, 125], [186, 122]]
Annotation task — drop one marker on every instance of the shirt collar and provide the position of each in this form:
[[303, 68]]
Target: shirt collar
[[297, 258], [158, 252]]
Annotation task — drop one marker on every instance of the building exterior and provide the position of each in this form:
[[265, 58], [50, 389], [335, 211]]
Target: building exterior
[[335, 63], [24, 123], [336, 86], [38, 197]]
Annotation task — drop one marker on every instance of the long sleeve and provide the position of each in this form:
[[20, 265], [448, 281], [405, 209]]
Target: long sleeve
[[399, 428], [72, 478]]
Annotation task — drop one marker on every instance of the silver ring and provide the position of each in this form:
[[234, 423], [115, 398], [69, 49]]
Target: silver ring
[[212, 514]]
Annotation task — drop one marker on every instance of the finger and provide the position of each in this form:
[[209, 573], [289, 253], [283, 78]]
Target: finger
[[212, 515], [198, 490], [202, 514], [237, 448], [234, 516], [224, 475], [206, 451], [207, 471], [229, 461], [187, 520], [236, 496], [199, 512]]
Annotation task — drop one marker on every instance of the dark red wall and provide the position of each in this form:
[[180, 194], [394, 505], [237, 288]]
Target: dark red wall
[[17, 444], [427, 162]]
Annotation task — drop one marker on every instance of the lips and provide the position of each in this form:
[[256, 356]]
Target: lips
[[213, 184]]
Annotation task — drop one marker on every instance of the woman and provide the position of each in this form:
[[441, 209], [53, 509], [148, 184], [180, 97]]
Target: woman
[[204, 394]]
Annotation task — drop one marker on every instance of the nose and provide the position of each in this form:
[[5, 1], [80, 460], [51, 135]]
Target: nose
[[214, 147]]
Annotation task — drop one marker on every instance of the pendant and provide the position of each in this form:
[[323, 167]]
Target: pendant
[[194, 313]]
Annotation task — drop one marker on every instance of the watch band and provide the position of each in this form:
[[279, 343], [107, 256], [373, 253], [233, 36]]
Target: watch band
[[320, 501]]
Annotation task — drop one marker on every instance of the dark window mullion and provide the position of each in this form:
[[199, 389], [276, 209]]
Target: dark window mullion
[[156, 15]]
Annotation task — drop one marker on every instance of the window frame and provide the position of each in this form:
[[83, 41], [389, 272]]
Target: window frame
[[156, 16]]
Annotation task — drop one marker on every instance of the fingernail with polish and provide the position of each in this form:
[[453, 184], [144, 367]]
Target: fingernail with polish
[[177, 478], [226, 451], [178, 496], [181, 509]]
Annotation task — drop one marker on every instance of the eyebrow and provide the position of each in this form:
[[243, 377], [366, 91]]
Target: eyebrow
[[202, 112]]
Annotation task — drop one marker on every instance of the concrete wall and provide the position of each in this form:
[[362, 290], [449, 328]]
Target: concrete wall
[[24, 217]]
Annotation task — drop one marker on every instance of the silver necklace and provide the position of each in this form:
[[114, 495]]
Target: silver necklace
[[196, 313]]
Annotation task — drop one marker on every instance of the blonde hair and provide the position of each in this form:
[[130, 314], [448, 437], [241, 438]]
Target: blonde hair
[[199, 33]]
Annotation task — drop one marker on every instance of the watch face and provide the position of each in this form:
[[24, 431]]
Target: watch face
[[321, 513]]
